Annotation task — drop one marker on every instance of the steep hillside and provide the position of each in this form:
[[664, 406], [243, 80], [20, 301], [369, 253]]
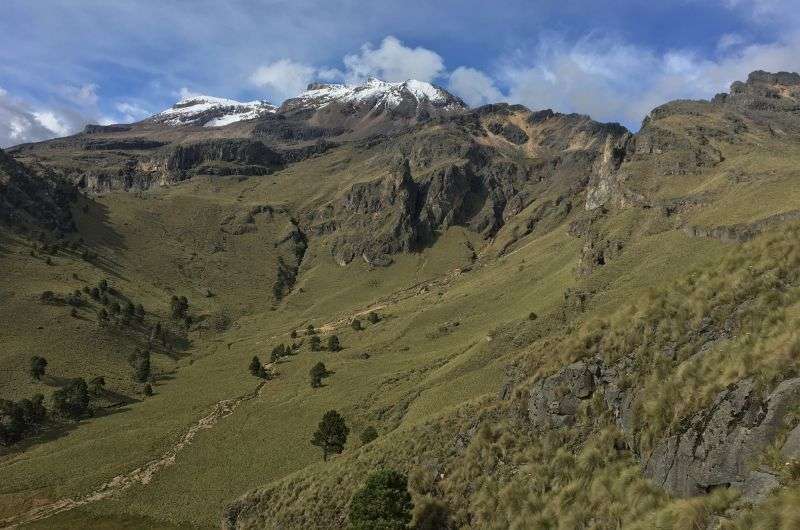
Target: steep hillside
[[575, 326]]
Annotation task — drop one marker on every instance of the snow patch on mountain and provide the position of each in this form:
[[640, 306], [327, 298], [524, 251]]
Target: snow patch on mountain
[[210, 111], [378, 92]]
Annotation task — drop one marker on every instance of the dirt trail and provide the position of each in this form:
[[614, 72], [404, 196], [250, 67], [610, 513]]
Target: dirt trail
[[140, 475]]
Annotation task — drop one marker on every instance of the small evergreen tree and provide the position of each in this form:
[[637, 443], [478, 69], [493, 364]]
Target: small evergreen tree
[[37, 368], [256, 368], [368, 435], [179, 306], [310, 329], [333, 343], [331, 434], [148, 390], [315, 343], [384, 503], [140, 361], [373, 317], [356, 324], [317, 372]]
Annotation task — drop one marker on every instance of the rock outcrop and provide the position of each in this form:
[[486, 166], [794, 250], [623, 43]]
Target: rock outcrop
[[720, 446]]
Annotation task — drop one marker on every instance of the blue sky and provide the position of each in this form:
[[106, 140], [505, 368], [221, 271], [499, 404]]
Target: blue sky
[[64, 63]]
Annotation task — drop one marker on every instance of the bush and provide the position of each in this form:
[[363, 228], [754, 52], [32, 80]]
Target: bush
[[179, 306], [373, 317], [148, 390], [356, 324], [384, 502], [315, 343], [368, 435]]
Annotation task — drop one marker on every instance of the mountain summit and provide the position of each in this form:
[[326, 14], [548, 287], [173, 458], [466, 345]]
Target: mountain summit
[[209, 111]]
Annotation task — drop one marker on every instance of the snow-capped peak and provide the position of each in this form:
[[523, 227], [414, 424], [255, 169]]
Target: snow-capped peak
[[211, 111], [377, 93]]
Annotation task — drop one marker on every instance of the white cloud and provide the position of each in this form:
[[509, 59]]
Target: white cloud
[[84, 95], [54, 123], [130, 112], [22, 121], [474, 86], [285, 78], [613, 80], [392, 61]]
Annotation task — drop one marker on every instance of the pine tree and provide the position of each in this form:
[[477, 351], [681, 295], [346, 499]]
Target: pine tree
[[38, 365], [317, 372], [255, 366], [356, 324], [331, 434], [315, 343], [373, 317], [333, 343]]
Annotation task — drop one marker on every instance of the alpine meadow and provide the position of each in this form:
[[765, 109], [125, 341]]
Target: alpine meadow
[[385, 293]]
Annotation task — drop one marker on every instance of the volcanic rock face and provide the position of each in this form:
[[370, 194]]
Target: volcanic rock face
[[719, 447]]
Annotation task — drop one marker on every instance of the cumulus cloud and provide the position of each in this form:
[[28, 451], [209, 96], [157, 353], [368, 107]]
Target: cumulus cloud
[[20, 123], [613, 80], [393, 61], [473, 86], [130, 112], [285, 78], [24, 121]]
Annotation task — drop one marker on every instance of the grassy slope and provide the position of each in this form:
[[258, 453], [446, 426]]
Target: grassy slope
[[416, 373]]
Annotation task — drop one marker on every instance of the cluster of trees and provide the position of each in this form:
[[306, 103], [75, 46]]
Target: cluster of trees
[[72, 401], [19, 419], [315, 343], [257, 369], [140, 362], [372, 318], [280, 351]]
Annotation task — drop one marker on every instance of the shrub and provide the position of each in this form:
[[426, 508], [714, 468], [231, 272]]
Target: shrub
[[148, 390], [373, 317], [368, 435], [315, 343], [384, 502], [356, 324]]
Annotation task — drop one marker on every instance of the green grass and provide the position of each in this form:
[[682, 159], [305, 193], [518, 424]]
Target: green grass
[[426, 381]]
